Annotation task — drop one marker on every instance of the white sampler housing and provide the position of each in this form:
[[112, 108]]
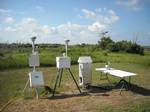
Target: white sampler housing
[[34, 59], [36, 79], [63, 62], [85, 70]]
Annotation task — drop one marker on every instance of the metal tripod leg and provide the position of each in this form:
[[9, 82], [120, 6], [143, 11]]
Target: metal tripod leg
[[37, 94], [124, 85], [26, 85], [56, 82], [60, 77], [74, 80]]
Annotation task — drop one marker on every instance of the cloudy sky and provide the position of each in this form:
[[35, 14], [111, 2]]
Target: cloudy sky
[[81, 21]]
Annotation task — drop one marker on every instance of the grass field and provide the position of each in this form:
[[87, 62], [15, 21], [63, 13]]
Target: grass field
[[19, 58], [13, 81], [14, 70]]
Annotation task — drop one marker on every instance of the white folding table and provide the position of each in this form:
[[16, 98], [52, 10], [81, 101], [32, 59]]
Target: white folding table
[[118, 73]]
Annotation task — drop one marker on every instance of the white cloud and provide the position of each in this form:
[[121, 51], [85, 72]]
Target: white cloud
[[101, 21], [70, 26], [89, 14], [132, 4], [97, 27], [5, 11], [8, 20], [27, 25], [78, 33], [9, 29], [48, 30]]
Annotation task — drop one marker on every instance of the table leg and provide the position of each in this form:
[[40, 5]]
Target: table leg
[[105, 77], [124, 84], [129, 83], [121, 88]]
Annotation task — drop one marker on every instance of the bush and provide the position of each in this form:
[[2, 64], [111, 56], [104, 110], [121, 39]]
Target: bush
[[104, 42], [126, 46], [136, 49], [113, 47]]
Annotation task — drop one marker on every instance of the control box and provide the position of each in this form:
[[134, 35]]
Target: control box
[[63, 62]]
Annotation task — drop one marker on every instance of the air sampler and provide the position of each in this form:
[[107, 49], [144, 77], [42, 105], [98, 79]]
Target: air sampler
[[64, 62], [35, 78]]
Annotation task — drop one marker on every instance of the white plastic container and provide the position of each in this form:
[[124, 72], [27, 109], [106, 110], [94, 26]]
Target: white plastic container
[[36, 79], [85, 70], [34, 59], [63, 62]]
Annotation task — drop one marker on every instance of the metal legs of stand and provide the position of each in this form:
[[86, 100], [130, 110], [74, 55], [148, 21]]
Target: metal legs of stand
[[61, 72], [74, 80], [59, 77], [124, 84], [26, 85], [37, 94], [36, 89]]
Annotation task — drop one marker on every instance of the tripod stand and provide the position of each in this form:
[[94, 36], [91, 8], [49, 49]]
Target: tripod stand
[[59, 77]]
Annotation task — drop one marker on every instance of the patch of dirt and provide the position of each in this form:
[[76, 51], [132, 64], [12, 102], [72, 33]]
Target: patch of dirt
[[69, 102]]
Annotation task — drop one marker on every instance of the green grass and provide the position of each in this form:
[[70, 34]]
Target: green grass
[[17, 59], [13, 81], [14, 74]]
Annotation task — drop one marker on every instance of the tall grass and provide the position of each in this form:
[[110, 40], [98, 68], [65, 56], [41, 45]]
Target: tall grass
[[18, 59]]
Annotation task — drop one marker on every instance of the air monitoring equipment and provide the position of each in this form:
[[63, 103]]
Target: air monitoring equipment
[[64, 62], [85, 71], [35, 77], [34, 59]]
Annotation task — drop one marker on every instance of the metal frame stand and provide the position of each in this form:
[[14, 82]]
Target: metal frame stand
[[59, 77], [124, 84], [36, 89], [26, 85]]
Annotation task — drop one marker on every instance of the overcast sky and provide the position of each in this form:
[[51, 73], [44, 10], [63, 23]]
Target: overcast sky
[[81, 21]]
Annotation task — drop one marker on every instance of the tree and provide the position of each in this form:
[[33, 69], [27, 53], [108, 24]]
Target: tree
[[123, 45], [104, 42], [114, 47], [136, 49]]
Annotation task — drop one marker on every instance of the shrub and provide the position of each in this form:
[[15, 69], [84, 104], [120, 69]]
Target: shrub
[[126, 46], [136, 49], [104, 42], [113, 47]]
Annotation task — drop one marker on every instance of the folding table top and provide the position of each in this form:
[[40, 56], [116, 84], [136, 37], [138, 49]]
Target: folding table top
[[115, 72]]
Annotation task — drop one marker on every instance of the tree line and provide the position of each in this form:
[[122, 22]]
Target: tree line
[[106, 43]]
